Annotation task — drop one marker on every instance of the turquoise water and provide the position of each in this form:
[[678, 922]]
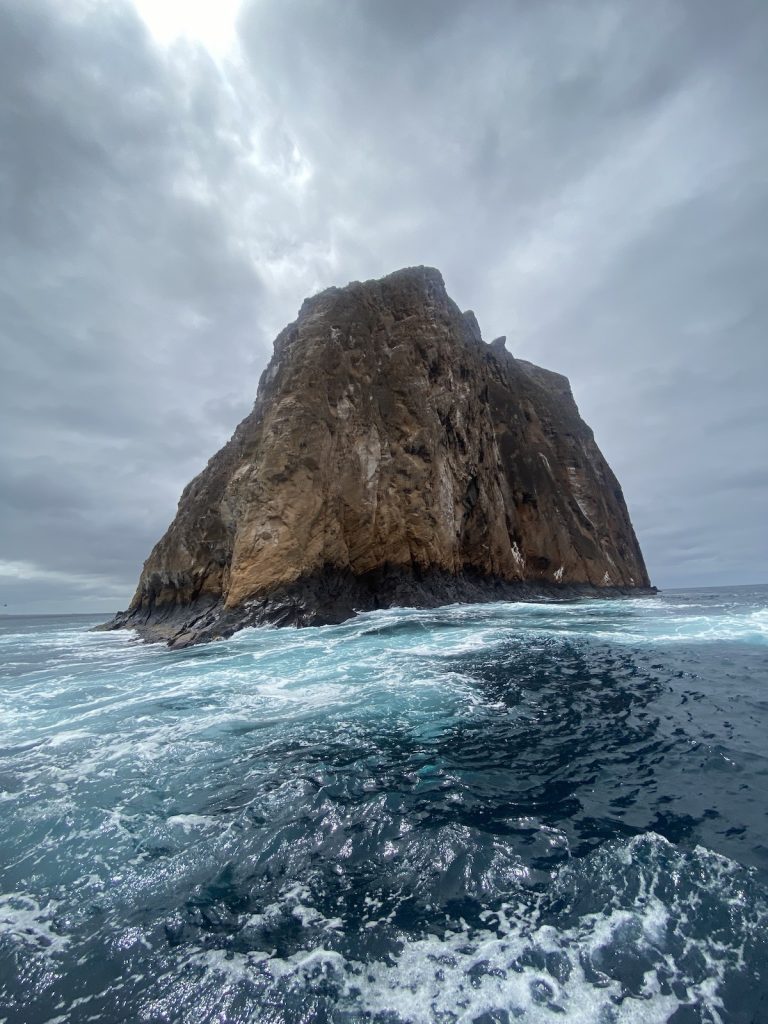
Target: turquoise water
[[489, 813]]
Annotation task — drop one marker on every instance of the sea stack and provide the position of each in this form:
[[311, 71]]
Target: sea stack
[[392, 457]]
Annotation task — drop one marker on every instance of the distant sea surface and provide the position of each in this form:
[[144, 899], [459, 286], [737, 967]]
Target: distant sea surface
[[490, 813]]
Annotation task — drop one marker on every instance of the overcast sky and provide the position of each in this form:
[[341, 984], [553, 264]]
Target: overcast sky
[[590, 178]]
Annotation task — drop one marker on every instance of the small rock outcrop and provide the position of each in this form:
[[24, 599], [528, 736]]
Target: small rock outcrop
[[392, 457]]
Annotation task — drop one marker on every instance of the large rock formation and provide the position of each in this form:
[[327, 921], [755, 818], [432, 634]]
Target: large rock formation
[[392, 457]]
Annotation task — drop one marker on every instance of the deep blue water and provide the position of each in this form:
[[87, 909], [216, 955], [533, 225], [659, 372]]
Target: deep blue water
[[483, 814]]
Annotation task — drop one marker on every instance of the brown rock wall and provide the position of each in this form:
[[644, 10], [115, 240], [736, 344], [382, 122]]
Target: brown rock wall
[[391, 456]]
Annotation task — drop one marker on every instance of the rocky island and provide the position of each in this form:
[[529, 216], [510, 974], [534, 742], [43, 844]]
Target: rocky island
[[392, 457]]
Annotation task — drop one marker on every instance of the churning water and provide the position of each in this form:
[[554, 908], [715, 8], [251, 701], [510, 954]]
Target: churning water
[[483, 814]]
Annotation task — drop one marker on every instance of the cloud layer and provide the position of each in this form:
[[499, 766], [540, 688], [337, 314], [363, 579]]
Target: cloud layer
[[589, 178]]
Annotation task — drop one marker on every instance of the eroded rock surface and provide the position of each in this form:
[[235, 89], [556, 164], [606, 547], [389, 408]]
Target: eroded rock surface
[[391, 457]]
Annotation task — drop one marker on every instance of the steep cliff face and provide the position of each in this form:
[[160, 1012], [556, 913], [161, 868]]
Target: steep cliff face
[[392, 457]]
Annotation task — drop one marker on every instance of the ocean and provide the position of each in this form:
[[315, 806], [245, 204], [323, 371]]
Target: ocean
[[482, 814]]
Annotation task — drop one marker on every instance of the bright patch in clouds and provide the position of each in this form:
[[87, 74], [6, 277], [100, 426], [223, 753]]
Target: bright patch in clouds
[[28, 571], [212, 23]]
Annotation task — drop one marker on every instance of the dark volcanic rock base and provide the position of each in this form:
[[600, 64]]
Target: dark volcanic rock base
[[329, 598]]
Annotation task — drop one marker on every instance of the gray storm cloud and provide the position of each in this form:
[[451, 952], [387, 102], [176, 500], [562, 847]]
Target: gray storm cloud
[[588, 177]]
